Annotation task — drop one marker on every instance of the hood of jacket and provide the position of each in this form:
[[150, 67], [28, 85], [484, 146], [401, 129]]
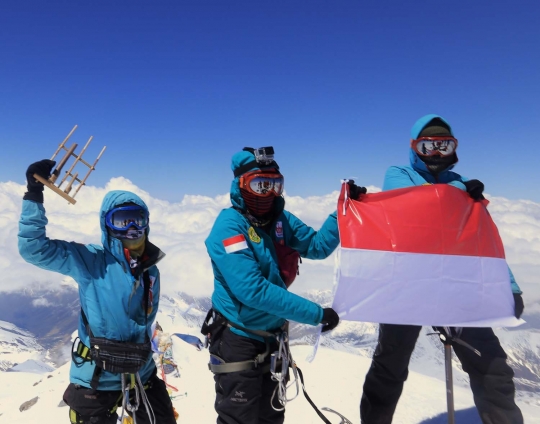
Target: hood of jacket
[[417, 163], [112, 200]]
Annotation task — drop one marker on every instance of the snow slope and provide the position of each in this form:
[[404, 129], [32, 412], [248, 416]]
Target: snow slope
[[334, 380], [18, 346]]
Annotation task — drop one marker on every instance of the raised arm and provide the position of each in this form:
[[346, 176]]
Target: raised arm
[[68, 258]]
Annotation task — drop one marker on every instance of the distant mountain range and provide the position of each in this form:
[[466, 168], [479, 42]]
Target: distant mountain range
[[38, 325], [50, 317], [18, 347]]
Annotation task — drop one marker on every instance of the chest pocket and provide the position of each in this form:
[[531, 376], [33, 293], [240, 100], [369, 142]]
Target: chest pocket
[[289, 261]]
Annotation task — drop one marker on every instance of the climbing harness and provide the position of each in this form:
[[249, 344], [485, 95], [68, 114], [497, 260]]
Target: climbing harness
[[117, 357], [280, 361], [76, 418], [213, 325]]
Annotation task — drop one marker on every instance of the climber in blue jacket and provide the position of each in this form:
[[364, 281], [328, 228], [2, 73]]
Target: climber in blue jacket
[[432, 158], [254, 247], [119, 288]]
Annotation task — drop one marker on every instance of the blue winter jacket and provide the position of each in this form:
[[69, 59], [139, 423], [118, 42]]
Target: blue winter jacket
[[418, 174], [111, 297], [248, 289]]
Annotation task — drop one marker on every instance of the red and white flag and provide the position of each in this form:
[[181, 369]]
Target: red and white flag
[[235, 243], [426, 255]]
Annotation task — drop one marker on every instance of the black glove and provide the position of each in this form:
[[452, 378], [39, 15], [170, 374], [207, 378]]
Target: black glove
[[42, 168], [519, 306], [355, 191], [475, 188], [330, 319]]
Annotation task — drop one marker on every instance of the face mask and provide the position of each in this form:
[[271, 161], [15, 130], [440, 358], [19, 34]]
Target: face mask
[[437, 164], [258, 206], [135, 246]]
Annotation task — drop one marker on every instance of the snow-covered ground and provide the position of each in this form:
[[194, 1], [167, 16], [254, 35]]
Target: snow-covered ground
[[334, 379]]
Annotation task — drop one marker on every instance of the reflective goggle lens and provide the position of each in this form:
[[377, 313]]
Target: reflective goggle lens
[[429, 146], [264, 185], [125, 217]]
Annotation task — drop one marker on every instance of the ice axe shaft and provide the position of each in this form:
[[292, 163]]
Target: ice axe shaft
[[449, 382]]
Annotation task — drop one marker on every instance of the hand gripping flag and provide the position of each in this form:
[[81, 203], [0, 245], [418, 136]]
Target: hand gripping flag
[[426, 255]]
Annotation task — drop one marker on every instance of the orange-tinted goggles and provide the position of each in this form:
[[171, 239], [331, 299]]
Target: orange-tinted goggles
[[262, 183], [431, 146]]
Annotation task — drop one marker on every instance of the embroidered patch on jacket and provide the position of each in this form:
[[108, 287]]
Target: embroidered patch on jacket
[[279, 229], [235, 243], [253, 236]]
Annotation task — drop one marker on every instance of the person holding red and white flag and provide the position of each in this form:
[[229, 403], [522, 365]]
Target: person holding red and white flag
[[255, 247], [422, 252]]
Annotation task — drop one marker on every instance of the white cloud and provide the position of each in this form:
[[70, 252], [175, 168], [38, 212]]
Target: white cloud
[[41, 302], [180, 229]]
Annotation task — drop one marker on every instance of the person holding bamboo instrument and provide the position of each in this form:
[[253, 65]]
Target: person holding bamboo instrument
[[119, 285]]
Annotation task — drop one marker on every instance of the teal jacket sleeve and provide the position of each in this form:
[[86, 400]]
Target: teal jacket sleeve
[[68, 258], [244, 278], [515, 287], [313, 244]]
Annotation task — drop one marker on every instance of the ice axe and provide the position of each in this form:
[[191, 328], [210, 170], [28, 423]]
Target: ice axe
[[448, 336], [69, 176]]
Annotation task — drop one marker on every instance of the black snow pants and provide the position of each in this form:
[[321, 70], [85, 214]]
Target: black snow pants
[[244, 397], [94, 406], [490, 376]]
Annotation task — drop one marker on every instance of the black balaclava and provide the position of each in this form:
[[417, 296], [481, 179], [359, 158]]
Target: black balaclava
[[436, 164], [258, 206]]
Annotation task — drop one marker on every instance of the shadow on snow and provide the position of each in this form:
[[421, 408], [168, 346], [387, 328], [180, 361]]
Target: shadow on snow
[[464, 416]]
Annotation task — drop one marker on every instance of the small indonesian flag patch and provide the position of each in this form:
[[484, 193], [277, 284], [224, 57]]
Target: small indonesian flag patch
[[235, 243]]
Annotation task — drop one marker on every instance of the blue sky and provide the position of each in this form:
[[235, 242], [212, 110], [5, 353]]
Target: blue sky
[[174, 88]]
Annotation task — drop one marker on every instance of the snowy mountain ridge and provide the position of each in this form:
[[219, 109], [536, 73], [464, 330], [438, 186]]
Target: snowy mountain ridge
[[18, 346], [59, 313], [521, 346]]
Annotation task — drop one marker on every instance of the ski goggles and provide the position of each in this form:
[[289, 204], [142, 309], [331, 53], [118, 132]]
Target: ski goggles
[[126, 217], [262, 184], [430, 146]]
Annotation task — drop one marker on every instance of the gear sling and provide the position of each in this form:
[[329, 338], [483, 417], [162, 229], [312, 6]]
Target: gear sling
[[117, 357]]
